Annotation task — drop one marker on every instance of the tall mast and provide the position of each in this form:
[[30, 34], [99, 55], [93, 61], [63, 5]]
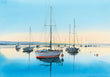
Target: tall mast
[[29, 36], [50, 27], [69, 33], [74, 32]]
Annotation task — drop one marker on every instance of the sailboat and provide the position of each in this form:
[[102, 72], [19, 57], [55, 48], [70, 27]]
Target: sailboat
[[73, 49], [29, 48], [48, 53], [67, 49], [18, 46]]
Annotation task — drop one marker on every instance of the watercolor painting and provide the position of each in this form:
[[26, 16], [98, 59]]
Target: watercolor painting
[[54, 38]]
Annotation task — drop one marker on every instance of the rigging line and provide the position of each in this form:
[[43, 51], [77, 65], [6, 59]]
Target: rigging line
[[74, 32], [54, 19], [29, 36], [46, 17], [45, 28], [57, 33], [77, 38], [69, 34]]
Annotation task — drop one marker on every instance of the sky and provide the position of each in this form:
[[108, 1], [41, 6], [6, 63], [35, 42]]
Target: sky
[[92, 19]]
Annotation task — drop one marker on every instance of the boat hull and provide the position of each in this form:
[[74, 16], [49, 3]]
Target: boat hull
[[28, 49], [72, 49], [18, 47], [48, 54]]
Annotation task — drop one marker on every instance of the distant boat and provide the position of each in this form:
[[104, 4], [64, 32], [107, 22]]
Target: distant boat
[[64, 45], [67, 49], [58, 45], [18, 46], [85, 46], [29, 48], [37, 46], [49, 53], [72, 49]]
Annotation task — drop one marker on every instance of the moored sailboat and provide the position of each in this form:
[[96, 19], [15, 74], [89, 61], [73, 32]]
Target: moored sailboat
[[73, 49], [29, 48], [48, 53], [67, 49], [18, 46]]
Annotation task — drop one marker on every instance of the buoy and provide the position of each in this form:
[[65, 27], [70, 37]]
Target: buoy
[[97, 54], [62, 55]]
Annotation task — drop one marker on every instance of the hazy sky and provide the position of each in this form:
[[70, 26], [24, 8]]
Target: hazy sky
[[92, 18]]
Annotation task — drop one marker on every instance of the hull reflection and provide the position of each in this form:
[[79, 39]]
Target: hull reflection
[[50, 61]]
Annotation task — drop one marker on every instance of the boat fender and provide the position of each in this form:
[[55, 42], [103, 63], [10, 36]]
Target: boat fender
[[62, 55], [97, 54]]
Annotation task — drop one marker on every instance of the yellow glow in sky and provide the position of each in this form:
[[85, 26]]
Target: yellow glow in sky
[[85, 37]]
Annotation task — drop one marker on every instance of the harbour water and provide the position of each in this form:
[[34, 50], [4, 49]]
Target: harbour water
[[89, 62]]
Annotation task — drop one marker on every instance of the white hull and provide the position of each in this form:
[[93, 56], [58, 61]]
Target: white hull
[[48, 54]]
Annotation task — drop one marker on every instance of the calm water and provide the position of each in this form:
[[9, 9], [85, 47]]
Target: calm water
[[83, 64]]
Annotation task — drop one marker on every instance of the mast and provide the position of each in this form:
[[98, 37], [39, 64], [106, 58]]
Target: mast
[[51, 27], [74, 32], [29, 36], [69, 33]]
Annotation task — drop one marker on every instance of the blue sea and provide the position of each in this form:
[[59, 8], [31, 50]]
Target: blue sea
[[89, 62]]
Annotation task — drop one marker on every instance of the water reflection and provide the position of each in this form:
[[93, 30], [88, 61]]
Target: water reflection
[[25, 64], [73, 54], [17, 49], [28, 52], [50, 61]]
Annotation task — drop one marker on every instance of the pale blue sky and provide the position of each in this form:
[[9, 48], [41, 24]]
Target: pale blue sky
[[17, 15]]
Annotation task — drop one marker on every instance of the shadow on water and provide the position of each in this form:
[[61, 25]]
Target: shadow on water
[[73, 54], [50, 61]]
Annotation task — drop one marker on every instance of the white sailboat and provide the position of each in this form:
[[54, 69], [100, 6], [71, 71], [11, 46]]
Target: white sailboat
[[73, 49], [48, 53], [29, 48], [18, 46]]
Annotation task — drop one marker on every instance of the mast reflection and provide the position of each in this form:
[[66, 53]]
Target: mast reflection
[[50, 61], [17, 49], [28, 52], [73, 54]]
